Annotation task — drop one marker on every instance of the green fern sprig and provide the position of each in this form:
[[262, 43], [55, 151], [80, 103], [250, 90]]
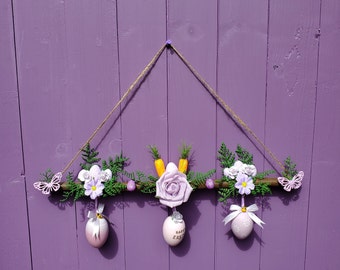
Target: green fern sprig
[[226, 157], [261, 188], [244, 155], [198, 179], [290, 168], [147, 183], [113, 188], [227, 192], [46, 176], [89, 156], [264, 174], [75, 190]]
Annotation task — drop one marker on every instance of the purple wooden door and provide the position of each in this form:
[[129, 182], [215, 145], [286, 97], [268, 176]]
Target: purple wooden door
[[63, 66]]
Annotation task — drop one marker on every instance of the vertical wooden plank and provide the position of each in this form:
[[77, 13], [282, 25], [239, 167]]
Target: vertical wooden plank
[[14, 230], [92, 91], [192, 120], [292, 61], [241, 83], [141, 33], [323, 223], [43, 73]]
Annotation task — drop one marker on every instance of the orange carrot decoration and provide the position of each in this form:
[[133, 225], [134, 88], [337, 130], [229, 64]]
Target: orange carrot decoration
[[158, 161], [183, 162]]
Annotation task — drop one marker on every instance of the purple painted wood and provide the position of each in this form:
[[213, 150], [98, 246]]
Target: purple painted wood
[[93, 89], [192, 120], [14, 227], [322, 251], [292, 65], [141, 32], [75, 59], [47, 134], [241, 83]]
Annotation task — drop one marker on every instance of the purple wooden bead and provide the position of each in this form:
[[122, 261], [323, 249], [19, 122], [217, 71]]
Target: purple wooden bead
[[131, 185], [209, 183]]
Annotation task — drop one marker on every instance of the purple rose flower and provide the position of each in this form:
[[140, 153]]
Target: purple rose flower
[[172, 188]]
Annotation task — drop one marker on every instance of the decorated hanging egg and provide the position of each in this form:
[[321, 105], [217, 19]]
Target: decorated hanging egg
[[174, 229], [97, 231], [242, 225]]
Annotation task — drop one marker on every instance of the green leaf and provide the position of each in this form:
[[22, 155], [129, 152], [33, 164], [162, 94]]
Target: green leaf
[[198, 179], [226, 157], [244, 155], [290, 168]]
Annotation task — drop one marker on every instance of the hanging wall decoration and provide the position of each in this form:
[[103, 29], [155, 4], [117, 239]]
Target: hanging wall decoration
[[173, 184]]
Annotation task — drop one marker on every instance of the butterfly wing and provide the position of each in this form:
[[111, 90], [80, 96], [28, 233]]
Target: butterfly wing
[[298, 180], [40, 185], [55, 181], [294, 183], [46, 187], [285, 183]]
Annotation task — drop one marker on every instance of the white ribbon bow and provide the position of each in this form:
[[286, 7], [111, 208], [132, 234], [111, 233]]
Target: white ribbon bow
[[94, 217], [238, 210]]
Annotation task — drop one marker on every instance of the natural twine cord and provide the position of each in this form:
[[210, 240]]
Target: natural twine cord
[[141, 75], [226, 107]]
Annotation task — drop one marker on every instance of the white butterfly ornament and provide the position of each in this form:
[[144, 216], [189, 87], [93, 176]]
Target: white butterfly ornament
[[294, 183], [47, 187]]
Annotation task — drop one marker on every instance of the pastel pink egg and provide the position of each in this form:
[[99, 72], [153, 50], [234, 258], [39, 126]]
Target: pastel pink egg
[[99, 240]]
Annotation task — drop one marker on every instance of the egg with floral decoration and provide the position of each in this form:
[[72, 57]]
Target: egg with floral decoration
[[174, 229], [242, 225]]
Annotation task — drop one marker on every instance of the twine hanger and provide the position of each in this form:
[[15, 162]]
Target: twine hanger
[[213, 92]]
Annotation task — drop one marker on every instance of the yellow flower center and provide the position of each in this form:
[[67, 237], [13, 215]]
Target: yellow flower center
[[244, 209], [99, 215], [93, 188], [244, 184]]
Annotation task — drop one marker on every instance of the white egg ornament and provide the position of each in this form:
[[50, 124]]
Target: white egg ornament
[[242, 225], [97, 231], [174, 229]]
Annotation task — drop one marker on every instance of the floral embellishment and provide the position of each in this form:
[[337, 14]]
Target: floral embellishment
[[94, 188], [93, 179], [240, 167], [249, 170], [95, 173], [244, 184], [172, 188]]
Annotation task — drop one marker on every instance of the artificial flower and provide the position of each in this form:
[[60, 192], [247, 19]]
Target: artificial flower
[[93, 188], [244, 184], [95, 173], [230, 172], [249, 170], [240, 167], [172, 188]]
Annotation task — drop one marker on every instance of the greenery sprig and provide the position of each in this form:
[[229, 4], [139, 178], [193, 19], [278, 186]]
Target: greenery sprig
[[89, 156], [290, 168], [227, 159]]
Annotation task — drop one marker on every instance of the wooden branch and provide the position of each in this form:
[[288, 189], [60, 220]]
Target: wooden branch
[[272, 182]]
